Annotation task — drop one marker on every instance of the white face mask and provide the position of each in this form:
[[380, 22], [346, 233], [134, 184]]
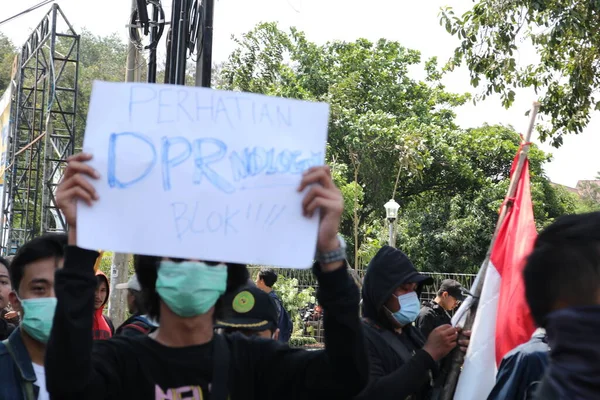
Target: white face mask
[[409, 308]]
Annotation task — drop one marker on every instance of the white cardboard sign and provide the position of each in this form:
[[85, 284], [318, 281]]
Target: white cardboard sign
[[198, 173]]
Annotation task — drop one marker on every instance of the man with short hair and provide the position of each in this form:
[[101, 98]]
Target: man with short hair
[[139, 323], [250, 311], [562, 288], [265, 281], [436, 312], [23, 376]]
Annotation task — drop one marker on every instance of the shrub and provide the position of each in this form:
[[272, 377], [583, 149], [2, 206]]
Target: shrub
[[293, 298], [299, 341]]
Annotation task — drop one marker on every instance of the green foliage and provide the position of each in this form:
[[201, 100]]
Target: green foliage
[[564, 34], [7, 56], [100, 58], [389, 136], [447, 226], [378, 113], [589, 201], [300, 341], [293, 298], [590, 191], [393, 136], [106, 264]]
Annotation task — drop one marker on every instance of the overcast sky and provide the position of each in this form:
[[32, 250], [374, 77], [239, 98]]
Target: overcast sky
[[414, 24]]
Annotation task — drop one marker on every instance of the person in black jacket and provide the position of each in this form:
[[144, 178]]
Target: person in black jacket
[[183, 358], [402, 362], [562, 288], [435, 313]]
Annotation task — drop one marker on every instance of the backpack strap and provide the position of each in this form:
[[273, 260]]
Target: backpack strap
[[392, 340], [28, 385], [138, 327], [220, 381]]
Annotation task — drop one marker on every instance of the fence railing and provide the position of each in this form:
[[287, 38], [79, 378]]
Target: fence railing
[[311, 329], [313, 326]]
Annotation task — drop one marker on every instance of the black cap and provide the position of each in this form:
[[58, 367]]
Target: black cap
[[454, 289], [249, 308]]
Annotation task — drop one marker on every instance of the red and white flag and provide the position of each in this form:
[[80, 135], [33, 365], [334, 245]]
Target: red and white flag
[[503, 318]]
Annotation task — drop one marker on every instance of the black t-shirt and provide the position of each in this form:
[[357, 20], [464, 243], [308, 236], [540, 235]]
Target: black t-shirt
[[141, 368], [259, 369], [142, 360]]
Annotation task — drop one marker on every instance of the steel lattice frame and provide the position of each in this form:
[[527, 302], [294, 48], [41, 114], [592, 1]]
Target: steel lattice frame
[[42, 135]]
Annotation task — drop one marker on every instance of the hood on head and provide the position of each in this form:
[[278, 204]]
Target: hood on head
[[389, 269], [102, 275]]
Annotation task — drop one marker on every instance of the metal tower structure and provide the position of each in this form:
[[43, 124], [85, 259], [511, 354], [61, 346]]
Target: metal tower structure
[[42, 135], [190, 35]]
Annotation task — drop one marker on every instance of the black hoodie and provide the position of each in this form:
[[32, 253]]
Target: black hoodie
[[391, 376]]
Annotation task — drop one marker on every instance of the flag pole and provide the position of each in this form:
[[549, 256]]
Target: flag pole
[[457, 355]]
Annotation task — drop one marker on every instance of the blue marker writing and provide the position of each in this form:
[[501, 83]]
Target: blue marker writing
[[140, 95], [169, 161], [113, 181], [203, 161]]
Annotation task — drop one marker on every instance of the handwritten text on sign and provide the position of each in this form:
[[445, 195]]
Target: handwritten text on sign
[[199, 173]]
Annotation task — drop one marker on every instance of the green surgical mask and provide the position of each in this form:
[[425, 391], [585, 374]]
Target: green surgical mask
[[38, 315], [190, 288]]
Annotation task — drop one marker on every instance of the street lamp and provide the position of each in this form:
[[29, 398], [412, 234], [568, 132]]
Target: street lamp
[[391, 212]]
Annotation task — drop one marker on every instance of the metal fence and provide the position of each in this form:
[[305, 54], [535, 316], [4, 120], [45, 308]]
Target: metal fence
[[312, 321], [308, 329]]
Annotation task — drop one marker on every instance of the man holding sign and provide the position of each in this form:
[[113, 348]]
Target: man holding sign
[[183, 358]]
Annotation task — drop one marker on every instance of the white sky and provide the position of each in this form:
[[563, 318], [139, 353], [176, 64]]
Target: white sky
[[414, 24]]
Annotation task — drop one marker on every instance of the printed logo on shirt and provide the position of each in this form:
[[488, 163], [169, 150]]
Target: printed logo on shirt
[[182, 393]]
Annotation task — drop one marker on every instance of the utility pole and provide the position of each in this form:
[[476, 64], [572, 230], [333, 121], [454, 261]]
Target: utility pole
[[119, 269], [133, 57], [204, 46]]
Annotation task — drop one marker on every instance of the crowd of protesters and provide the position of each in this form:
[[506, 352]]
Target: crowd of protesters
[[202, 329]]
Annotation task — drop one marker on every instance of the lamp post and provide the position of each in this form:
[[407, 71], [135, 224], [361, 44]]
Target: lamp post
[[391, 212]]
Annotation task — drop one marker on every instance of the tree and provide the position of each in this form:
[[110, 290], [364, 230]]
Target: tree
[[565, 37], [448, 228], [389, 136], [378, 113], [393, 136], [100, 58], [590, 194], [294, 300], [7, 56]]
